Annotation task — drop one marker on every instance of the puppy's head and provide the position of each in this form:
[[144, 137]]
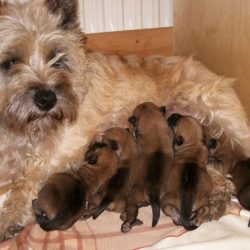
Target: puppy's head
[[41, 65], [144, 113], [223, 153], [188, 138], [186, 197], [60, 202], [122, 141], [102, 164], [150, 125]]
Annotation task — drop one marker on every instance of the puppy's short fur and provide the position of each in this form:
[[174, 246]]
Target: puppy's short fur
[[154, 140], [48, 82], [188, 185], [229, 159], [118, 187], [63, 199]]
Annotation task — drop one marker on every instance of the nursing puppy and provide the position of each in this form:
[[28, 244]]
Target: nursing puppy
[[55, 98], [64, 197], [154, 140], [229, 159], [117, 189], [188, 185]]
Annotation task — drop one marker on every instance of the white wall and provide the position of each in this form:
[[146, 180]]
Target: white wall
[[116, 15]]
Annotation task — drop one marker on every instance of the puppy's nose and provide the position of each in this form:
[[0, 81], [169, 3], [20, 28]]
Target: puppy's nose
[[189, 227], [45, 99]]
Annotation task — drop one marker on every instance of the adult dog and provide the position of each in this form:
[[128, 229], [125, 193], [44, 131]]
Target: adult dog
[[55, 97]]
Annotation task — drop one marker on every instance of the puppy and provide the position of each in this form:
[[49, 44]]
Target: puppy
[[63, 199], [230, 160], [154, 140], [56, 97], [188, 185], [118, 187]]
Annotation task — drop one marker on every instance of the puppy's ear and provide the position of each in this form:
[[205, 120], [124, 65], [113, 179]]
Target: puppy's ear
[[172, 120], [113, 145], [67, 9], [163, 110], [132, 120]]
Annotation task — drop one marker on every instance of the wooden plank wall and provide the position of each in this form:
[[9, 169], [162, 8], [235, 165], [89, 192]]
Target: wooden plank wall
[[218, 33], [141, 42]]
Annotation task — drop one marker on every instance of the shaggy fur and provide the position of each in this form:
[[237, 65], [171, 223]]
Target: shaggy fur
[[41, 49]]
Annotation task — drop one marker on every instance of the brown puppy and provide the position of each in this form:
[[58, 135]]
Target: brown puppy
[[154, 139], [64, 197], [118, 187], [229, 159], [188, 184]]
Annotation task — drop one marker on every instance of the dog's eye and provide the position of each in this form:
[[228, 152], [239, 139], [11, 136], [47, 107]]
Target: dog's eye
[[179, 140], [6, 65], [61, 63]]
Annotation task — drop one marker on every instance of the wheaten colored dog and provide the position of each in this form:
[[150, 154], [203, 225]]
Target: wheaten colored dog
[[55, 97]]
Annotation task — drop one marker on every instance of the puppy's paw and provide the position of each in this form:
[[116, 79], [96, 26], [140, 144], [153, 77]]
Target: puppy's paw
[[126, 227]]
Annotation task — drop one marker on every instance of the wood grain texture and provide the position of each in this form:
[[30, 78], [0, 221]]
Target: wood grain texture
[[141, 42], [218, 33]]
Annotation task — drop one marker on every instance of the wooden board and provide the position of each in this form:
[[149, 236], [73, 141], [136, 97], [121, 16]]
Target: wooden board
[[141, 42], [218, 33]]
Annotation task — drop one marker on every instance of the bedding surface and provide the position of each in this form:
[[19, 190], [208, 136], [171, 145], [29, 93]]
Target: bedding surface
[[230, 232]]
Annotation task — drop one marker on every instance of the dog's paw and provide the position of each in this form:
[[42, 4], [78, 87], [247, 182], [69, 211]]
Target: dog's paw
[[126, 227], [11, 232]]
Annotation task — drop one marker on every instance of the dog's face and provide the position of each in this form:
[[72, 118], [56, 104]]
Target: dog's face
[[102, 164], [145, 116], [187, 131], [188, 138], [150, 127], [187, 192], [60, 202], [122, 141], [40, 66]]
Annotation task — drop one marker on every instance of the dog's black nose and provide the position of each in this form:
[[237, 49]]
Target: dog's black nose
[[189, 227], [45, 99]]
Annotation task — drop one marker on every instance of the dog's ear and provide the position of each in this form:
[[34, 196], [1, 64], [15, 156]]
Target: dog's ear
[[132, 120], [172, 120], [113, 145], [67, 9], [163, 110]]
